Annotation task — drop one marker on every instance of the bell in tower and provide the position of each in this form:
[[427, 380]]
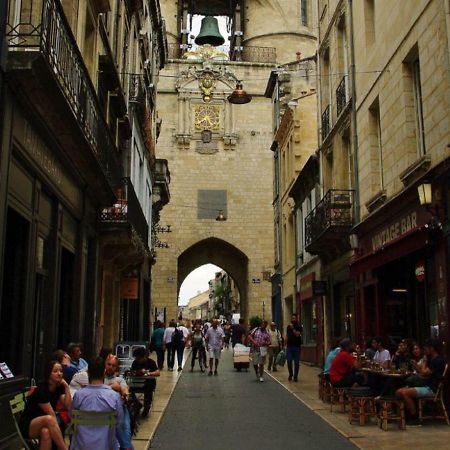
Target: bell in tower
[[209, 32]]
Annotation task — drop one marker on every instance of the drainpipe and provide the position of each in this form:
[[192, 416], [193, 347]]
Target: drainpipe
[[355, 132]]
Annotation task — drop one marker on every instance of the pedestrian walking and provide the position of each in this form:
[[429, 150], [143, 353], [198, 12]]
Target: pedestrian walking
[[180, 338], [198, 347], [293, 347], [168, 346], [274, 347], [259, 339], [214, 340], [157, 343]]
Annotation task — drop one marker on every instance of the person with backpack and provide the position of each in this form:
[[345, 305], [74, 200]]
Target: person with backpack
[[168, 346], [180, 338], [198, 347]]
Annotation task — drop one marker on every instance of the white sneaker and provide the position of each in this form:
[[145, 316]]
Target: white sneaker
[[261, 379]]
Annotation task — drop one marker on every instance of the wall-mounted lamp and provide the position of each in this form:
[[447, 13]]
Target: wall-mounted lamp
[[221, 216], [425, 192], [239, 96]]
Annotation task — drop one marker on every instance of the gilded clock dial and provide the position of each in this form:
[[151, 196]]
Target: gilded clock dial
[[207, 117]]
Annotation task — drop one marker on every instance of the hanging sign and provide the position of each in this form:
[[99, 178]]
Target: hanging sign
[[130, 288], [420, 271]]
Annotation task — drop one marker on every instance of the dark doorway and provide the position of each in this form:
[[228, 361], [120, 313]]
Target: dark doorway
[[13, 305], [146, 301], [67, 320], [129, 320]]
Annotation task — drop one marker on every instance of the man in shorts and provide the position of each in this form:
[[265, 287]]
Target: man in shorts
[[260, 340], [432, 372], [214, 341]]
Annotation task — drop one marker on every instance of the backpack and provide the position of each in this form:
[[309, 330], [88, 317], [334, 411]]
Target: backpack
[[177, 337]]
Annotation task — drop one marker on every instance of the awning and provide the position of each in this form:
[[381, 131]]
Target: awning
[[408, 243]]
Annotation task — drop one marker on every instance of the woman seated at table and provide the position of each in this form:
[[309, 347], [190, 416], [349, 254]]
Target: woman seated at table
[[343, 367], [432, 373], [401, 358], [382, 356], [418, 360], [143, 365], [38, 420]]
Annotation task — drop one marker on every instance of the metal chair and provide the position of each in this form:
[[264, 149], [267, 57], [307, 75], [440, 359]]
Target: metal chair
[[17, 405], [435, 403]]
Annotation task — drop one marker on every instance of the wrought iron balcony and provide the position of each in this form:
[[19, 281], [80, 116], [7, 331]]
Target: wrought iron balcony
[[126, 212], [325, 123], [39, 37], [329, 222], [341, 96], [137, 89], [161, 193]]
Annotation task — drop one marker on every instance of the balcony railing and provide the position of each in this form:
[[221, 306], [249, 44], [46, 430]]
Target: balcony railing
[[329, 221], [127, 210], [248, 54], [341, 96], [137, 90], [41, 26], [325, 123]]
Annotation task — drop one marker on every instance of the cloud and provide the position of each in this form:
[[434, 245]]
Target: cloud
[[197, 281]]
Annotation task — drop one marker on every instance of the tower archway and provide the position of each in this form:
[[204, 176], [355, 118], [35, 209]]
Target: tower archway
[[221, 253]]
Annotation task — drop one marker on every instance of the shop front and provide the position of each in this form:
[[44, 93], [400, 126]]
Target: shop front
[[401, 273], [311, 313]]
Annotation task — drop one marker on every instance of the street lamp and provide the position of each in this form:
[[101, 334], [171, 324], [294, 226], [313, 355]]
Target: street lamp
[[221, 216], [239, 96]]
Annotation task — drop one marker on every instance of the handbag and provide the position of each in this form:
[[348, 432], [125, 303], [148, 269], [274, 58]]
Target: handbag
[[263, 351], [281, 358]]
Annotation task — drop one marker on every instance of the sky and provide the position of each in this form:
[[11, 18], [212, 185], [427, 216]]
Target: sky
[[196, 282]]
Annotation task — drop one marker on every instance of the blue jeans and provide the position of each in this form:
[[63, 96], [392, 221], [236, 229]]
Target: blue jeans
[[293, 357], [123, 433]]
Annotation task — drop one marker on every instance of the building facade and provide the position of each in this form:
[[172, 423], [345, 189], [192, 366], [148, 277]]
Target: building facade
[[402, 111], [66, 135]]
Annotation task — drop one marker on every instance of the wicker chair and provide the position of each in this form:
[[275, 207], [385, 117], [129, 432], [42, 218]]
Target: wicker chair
[[361, 404], [391, 409]]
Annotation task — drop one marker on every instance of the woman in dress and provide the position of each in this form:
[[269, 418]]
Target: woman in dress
[[38, 420]]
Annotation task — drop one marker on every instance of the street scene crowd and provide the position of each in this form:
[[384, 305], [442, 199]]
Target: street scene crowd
[[72, 388]]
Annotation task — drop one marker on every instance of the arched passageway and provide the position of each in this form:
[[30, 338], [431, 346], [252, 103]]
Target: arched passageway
[[221, 253]]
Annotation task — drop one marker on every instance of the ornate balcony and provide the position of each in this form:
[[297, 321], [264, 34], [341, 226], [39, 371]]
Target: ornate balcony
[[126, 213], [161, 193], [329, 222], [50, 73], [341, 96], [326, 123]]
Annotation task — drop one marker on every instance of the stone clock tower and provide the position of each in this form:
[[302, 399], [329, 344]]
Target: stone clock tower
[[218, 152]]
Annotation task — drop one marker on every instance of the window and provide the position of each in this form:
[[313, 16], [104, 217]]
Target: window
[[309, 319], [369, 21], [299, 235], [304, 12], [376, 149], [210, 202], [418, 107]]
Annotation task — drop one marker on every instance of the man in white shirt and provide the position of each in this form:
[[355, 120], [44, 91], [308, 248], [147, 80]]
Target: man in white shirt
[[214, 341], [382, 356]]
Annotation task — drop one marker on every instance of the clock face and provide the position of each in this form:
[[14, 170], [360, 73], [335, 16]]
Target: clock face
[[206, 117]]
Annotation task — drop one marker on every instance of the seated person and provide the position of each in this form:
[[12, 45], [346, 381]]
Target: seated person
[[335, 349], [64, 359], [342, 371], [118, 384], [143, 365], [382, 356], [96, 397], [369, 353], [38, 420], [433, 372], [401, 358], [418, 359], [76, 361]]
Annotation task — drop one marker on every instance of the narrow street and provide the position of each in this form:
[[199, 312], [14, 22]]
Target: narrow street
[[234, 410]]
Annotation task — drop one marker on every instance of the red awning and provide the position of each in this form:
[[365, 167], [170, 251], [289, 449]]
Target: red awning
[[396, 249]]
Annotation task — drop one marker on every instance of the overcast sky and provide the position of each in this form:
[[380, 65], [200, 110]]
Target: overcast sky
[[196, 282]]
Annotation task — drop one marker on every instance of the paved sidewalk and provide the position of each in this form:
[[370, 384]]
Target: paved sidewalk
[[431, 435]]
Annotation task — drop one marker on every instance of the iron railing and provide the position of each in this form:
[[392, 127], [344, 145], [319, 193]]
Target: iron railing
[[341, 95], [41, 26], [334, 212], [137, 90], [127, 209], [326, 123], [247, 54]]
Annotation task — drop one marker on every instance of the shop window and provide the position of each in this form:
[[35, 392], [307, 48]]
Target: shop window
[[309, 320]]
